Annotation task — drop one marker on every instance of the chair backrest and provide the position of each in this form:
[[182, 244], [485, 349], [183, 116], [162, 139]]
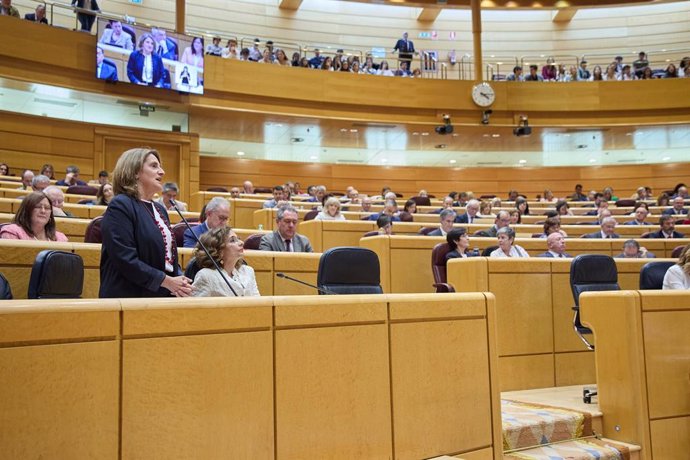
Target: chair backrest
[[56, 275], [371, 233], [652, 274], [178, 232], [487, 251], [217, 189], [421, 200], [93, 231], [677, 251], [253, 241], [86, 201], [192, 269], [438, 262], [5, 290], [625, 203], [310, 215], [350, 270], [537, 235], [405, 217], [426, 230], [263, 190], [592, 272], [82, 190]]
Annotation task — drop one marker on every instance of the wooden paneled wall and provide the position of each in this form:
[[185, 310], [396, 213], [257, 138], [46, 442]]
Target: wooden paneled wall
[[28, 142], [226, 172]]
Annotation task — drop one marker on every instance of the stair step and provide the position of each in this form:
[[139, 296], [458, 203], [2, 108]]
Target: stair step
[[581, 449]]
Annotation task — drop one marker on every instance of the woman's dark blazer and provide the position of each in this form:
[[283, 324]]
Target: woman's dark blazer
[[135, 68], [132, 252]]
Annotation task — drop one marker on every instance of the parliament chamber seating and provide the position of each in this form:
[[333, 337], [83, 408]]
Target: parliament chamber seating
[[438, 268], [349, 270], [652, 274], [56, 275]]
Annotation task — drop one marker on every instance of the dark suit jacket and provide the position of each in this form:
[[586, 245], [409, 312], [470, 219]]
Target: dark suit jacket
[[80, 4], [548, 254], [32, 17], [62, 183], [189, 240], [634, 222], [436, 232], [108, 71], [172, 49], [273, 242], [135, 68], [597, 234], [405, 50], [463, 218], [133, 252], [660, 235], [591, 213], [491, 232], [672, 212], [375, 216]]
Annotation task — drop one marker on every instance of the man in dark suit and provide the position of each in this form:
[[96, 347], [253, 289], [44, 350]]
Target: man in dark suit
[[608, 229], [405, 48], [86, 20], [555, 242], [599, 202], [71, 177], [667, 228], [390, 208], [641, 214], [502, 220], [285, 238], [105, 70], [164, 47], [447, 204], [39, 16], [632, 250], [677, 208], [470, 215], [217, 215], [447, 218]]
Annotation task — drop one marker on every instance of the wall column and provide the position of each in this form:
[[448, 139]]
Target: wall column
[[477, 38], [180, 15]]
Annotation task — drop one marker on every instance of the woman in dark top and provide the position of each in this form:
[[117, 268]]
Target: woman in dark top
[[138, 254], [459, 241]]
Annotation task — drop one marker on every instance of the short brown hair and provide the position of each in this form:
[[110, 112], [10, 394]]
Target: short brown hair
[[128, 166], [26, 208], [215, 241]]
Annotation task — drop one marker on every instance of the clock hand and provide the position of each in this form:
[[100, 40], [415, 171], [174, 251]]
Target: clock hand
[[486, 96]]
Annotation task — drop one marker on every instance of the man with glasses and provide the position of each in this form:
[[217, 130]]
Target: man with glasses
[[285, 238], [502, 220], [217, 215]]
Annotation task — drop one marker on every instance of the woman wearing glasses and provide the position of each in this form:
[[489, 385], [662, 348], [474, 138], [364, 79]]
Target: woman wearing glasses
[[227, 250], [33, 221]]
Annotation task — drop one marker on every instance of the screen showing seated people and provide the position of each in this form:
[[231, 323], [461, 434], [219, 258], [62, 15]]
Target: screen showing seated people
[[149, 56]]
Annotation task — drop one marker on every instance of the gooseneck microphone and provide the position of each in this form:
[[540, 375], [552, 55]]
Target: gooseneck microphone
[[208, 254], [323, 290]]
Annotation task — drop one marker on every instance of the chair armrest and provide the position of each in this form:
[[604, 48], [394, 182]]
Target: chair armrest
[[444, 287]]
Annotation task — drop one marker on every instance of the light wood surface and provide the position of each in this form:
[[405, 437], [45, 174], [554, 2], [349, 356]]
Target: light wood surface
[[271, 377]]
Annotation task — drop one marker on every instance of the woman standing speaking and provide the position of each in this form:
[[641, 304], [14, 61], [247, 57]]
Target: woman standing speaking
[[138, 254]]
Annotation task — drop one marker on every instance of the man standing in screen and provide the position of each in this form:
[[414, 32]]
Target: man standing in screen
[[405, 48], [116, 36], [144, 66], [104, 69]]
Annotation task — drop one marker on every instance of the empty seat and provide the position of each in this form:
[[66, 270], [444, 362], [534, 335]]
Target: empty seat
[[93, 231], [56, 275], [625, 203], [263, 190], [652, 274], [349, 270], [588, 273], [421, 200], [677, 251], [438, 267]]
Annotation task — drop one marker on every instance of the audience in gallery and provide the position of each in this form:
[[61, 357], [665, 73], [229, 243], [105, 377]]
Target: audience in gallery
[[633, 250], [104, 195], [39, 15], [57, 199], [506, 244], [555, 244], [33, 221], [168, 195], [227, 250], [71, 177], [214, 49], [458, 242], [138, 253], [217, 214], [86, 20], [331, 210], [40, 183], [678, 276], [6, 9], [385, 225], [285, 237], [667, 228]]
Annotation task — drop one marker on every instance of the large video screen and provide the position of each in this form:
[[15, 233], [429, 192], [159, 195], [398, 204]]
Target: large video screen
[[149, 56]]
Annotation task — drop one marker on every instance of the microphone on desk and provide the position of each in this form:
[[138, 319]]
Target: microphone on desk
[[208, 254], [322, 290]]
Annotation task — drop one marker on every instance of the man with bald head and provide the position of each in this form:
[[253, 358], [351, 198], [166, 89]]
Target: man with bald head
[[555, 243], [248, 187], [235, 192], [57, 199]]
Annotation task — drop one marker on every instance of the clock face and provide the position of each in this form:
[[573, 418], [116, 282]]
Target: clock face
[[483, 94]]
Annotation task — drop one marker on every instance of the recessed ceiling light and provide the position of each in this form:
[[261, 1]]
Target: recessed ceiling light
[[665, 158], [353, 130], [425, 134], [343, 130], [495, 135], [453, 162], [485, 135], [415, 133], [313, 157], [522, 162], [628, 134], [240, 153], [455, 134], [592, 160]]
